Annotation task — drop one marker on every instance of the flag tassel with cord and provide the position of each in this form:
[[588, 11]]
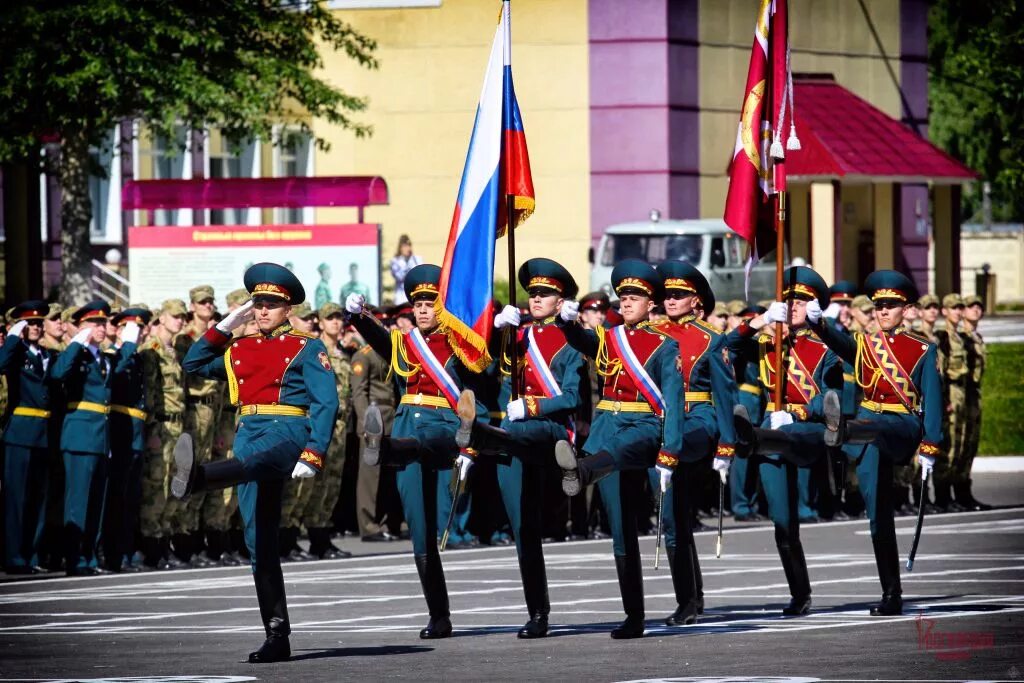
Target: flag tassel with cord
[[496, 189]]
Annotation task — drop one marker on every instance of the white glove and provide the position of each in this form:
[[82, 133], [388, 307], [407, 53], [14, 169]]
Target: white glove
[[354, 303], [832, 311], [777, 312], [721, 465], [570, 311], [302, 471], [781, 417], [83, 336], [239, 316], [463, 463], [509, 317], [516, 410], [813, 311], [131, 333], [927, 464], [17, 328], [664, 476]]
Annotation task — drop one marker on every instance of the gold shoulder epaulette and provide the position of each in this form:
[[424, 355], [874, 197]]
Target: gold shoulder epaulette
[[917, 337], [299, 333], [704, 324]]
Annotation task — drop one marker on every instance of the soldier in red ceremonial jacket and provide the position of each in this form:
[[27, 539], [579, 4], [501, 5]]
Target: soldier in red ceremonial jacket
[[282, 382], [639, 420], [709, 394], [899, 416], [431, 380]]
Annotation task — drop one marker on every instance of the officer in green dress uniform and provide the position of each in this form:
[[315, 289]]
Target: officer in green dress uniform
[[26, 365], [638, 422], [282, 382], [431, 380], [900, 413], [128, 415], [87, 373], [709, 394], [742, 477], [550, 374], [813, 377]]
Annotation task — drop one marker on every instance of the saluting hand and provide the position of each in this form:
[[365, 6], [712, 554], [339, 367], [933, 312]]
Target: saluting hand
[[813, 311], [17, 328], [131, 333], [237, 317], [83, 336], [354, 303], [570, 311]]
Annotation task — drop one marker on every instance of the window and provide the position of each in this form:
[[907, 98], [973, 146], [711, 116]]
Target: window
[[652, 248], [230, 161], [293, 158], [164, 159]]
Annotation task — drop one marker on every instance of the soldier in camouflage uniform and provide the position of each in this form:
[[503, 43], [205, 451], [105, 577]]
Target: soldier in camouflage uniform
[[976, 357], [202, 414], [220, 507], [324, 489], [952, 359], [296, 492], [863, 321], [925, 325], [164, 382]]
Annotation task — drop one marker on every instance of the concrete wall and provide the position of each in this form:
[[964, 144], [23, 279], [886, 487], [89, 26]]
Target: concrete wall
[[422, 103]]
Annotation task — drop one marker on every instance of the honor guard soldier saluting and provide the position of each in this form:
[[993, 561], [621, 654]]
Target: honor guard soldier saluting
[[900, 414], [87, 373], [550, 374], [709, 394], [811, 371], [431, 380], [26, 365], [639, 420], [128, 416], [283, 385]]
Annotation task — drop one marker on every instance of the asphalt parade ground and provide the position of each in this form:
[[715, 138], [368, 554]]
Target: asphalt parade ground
[[358, 618]]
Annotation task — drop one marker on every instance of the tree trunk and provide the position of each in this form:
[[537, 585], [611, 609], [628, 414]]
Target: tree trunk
[[76, 213]]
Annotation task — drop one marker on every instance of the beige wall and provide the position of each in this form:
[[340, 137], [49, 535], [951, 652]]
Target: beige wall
[[1003, 252], [422, 102], [827, 36]]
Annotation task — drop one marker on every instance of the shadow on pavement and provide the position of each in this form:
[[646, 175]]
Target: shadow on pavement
[[365, 651]]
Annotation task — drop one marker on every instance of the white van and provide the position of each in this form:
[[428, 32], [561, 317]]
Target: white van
[[709, 244]]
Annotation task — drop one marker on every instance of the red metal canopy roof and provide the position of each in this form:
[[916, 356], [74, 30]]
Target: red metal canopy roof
[[843, 136]]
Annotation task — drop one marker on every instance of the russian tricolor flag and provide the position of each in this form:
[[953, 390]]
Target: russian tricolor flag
[[497, 166]]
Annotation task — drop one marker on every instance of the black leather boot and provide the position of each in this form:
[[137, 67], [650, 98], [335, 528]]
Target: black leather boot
[[219, 474], [744, 432], [631, 585], [466, 410], [393, 452], [578, 473], [184, 479], [535, 588], [373, 433], [698, 579], [888, 561], [685, 586], [168, 560], [436, 592], [274, 612], [489, 439], [795, 566], [858, 431], [201, 558]]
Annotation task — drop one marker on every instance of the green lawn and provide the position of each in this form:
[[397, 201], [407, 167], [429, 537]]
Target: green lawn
[[1002, 397]]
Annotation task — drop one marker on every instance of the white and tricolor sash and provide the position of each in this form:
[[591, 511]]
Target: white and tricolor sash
[[541, 367], [547, 378], [432, 366], [633, 366]]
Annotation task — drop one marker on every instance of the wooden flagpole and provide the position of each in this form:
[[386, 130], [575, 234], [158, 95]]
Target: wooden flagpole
[[780, 245], [513, 355]]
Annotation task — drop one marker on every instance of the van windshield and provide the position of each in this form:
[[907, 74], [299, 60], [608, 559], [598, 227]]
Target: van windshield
[[652, 248]]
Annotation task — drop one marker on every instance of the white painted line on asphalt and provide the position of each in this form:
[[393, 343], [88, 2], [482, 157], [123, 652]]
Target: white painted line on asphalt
[[998, 463]]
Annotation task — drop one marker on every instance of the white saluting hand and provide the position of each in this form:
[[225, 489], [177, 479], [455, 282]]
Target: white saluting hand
[[570, 311], [239, 316], [354, 303]]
